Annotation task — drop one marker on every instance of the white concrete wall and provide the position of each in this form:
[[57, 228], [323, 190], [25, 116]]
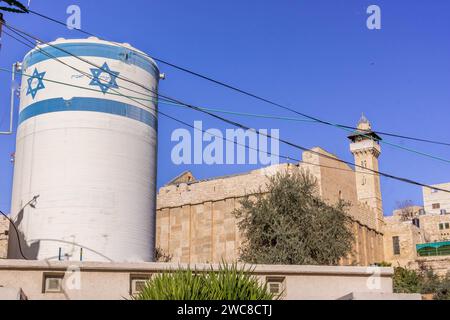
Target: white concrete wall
[[112, 280], [430, 197]]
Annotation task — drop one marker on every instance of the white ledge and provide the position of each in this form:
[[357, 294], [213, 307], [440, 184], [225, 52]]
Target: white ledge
[[6, 264]]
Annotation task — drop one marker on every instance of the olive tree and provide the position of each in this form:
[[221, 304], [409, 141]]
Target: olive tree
[[289, 223]]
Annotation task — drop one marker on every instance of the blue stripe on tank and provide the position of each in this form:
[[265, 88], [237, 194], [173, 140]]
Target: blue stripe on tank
[[91, 50], [88, 104]]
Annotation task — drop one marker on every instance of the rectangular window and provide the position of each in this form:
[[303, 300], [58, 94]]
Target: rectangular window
[[441, 226], [276, 285], [447, 225], [436, 205], [138, 282], [396, 245], [53, 283]]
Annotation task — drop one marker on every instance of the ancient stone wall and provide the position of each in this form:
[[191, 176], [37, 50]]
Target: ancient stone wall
[[195, 221], [408, 234], [440, 265], [429, 223], [4, 229]]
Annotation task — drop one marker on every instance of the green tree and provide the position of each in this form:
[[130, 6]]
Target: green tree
[[442, 291], [227, 283], [407, 281], [289, 223], [423, 281]]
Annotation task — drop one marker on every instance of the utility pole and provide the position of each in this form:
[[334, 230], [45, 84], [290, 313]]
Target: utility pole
[[2, 21], [15, 68]]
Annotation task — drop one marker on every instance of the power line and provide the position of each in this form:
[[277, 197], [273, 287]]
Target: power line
[[234, 123], [167, 102], [249, 94], [163, 101], [22, 33], [33, 46], [187, 124], [288, 158], [258, 132], [17, 234], [132, 98], [209, 113]]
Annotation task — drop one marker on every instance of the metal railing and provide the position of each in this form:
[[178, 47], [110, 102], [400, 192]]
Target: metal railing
[[433, 249]]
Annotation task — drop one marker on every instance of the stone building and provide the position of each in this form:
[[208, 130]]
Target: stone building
[[4, 229], [435, 201], [418, 236], [400, 240], [195, 223]]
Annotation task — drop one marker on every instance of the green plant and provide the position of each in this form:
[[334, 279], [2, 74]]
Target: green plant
[[227, 283], [162, 256], [442, 291], [383, 264], [407, 281], [288, 223], [423, 281]]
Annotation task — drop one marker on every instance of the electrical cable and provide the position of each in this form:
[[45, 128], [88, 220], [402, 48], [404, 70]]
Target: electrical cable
[[189, 125], [182, 122], [247, 93], [21, 33], [17, 234], [234, 123]]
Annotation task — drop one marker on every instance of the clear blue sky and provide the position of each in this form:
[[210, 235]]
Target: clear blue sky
[[314, 55]]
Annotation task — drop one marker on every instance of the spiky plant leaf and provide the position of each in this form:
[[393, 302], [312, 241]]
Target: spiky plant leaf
[[227, 283]]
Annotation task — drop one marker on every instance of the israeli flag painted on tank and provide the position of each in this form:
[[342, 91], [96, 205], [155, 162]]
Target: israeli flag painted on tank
[[105, 78], [35, 83]]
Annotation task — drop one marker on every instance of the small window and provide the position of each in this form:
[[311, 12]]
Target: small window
[[436, 205], [441, 226], [53, 283], [276, 285], [138, 282], [396, 245], [447, 225]]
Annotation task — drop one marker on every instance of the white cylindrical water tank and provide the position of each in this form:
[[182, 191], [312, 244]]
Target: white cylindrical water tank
[[86, 146]]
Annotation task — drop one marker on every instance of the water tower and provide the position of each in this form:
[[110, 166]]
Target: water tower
[[85, 165]]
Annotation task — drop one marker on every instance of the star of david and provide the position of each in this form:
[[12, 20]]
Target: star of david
[[35, 83], [104, 78]]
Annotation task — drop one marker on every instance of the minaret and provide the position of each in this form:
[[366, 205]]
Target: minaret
[[365, 146]]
